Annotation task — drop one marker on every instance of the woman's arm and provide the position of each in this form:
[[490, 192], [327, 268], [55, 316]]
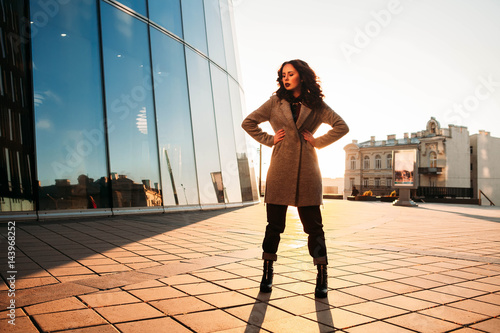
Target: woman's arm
[[339, 128], [252, 121]]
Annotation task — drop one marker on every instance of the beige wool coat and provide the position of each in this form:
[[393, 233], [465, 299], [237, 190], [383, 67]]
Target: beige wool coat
[[294, 177]]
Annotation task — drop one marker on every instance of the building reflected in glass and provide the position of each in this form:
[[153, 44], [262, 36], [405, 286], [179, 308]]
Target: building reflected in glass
[[111, 107]]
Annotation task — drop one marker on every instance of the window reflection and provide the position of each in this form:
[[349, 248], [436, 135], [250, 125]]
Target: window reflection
[[204, 130], [137, 5], [225, 135], [71, 159], [130, 112], [227, 32], [246, 169], [214, 32], [174, 121], [166, 13], [193, 23], [16, 135]]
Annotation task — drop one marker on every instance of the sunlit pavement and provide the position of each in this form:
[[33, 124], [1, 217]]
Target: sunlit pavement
[[434, 268]]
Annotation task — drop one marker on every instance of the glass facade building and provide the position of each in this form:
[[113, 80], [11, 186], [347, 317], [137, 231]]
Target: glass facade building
[[111, 107]]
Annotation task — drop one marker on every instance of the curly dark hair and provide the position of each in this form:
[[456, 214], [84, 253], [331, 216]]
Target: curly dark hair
[[311, 92]]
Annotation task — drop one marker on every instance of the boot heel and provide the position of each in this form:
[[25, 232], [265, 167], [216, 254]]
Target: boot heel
[[266, 285]]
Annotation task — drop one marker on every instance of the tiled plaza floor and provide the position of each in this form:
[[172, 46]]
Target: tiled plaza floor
[[434, 268]]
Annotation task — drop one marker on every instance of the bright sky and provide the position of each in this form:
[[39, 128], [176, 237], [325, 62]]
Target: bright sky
[[386, 66]]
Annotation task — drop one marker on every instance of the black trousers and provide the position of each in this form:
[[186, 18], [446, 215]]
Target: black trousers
[[310, 216]]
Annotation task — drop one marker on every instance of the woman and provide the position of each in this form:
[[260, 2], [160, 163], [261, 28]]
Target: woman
[[295, 112]]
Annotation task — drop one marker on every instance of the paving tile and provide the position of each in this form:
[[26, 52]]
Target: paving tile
[[49, 293], [128, 312], [153, 326], [226, 299], [434, 296], [420, 282], [277, 293], [375, 310], [490, 325], [157, 293], [377, 326], [238, 284], [67, 320], [459, 291], [367, 292], [338, 318], [181, 305], [200, 288], [454, 315], [479, 286], [395, 287], [35, 282], [421, 323], [295, 324], [258, 313], [299, 305], [108, 298], [210, 321], [407, 303], [66, 304], [22, 325], [489, 298], [95, 329], [487, 309], [143, 285]]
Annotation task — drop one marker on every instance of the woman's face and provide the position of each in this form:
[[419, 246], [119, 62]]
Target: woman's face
[[291, 79]]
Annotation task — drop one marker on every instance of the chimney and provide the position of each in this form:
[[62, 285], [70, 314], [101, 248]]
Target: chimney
[[391, 137], [355, 141]]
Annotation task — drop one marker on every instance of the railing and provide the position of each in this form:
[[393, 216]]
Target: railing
[[442, 192], [481, 192]]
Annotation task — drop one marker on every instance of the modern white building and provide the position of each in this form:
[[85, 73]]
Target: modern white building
[[451, 163]]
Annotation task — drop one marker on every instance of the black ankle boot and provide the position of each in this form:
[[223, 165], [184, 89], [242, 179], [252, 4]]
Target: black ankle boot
[[321, 282], [266, 285]]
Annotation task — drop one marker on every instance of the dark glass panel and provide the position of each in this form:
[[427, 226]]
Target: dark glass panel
[[70, 141], [133, 152], [225, 135], [205, 136], [214, 32], [175, 136], [193, 23], [166, 13], [16, 114]]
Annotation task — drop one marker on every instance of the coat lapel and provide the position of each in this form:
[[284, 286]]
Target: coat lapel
[[287, 112], [304, 113]]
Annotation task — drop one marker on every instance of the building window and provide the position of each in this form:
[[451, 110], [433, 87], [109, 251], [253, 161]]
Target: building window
[[351, 182], [378, 162], [366, 162], [365, 182], [388, 182], [353, 163], [389, 161], [433, 159], [471, 150], [377, 182]]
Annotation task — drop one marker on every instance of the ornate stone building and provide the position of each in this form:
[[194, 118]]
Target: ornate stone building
[[451, 163]]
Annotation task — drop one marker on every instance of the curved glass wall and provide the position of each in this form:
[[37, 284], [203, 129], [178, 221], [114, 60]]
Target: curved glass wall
[[126, 115]]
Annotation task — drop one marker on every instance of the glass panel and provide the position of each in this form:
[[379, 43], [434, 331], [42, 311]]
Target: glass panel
[[131, 124], [166, 13], [69, 120], [246, 168], [205, 137], [137, 5], [193, 22], [225, 135], [214, 32], [16, 115], [175, 136], [228, 34]]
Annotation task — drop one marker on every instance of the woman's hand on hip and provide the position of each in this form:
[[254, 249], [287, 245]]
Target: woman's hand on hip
[[309, 137], [280, 135]]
